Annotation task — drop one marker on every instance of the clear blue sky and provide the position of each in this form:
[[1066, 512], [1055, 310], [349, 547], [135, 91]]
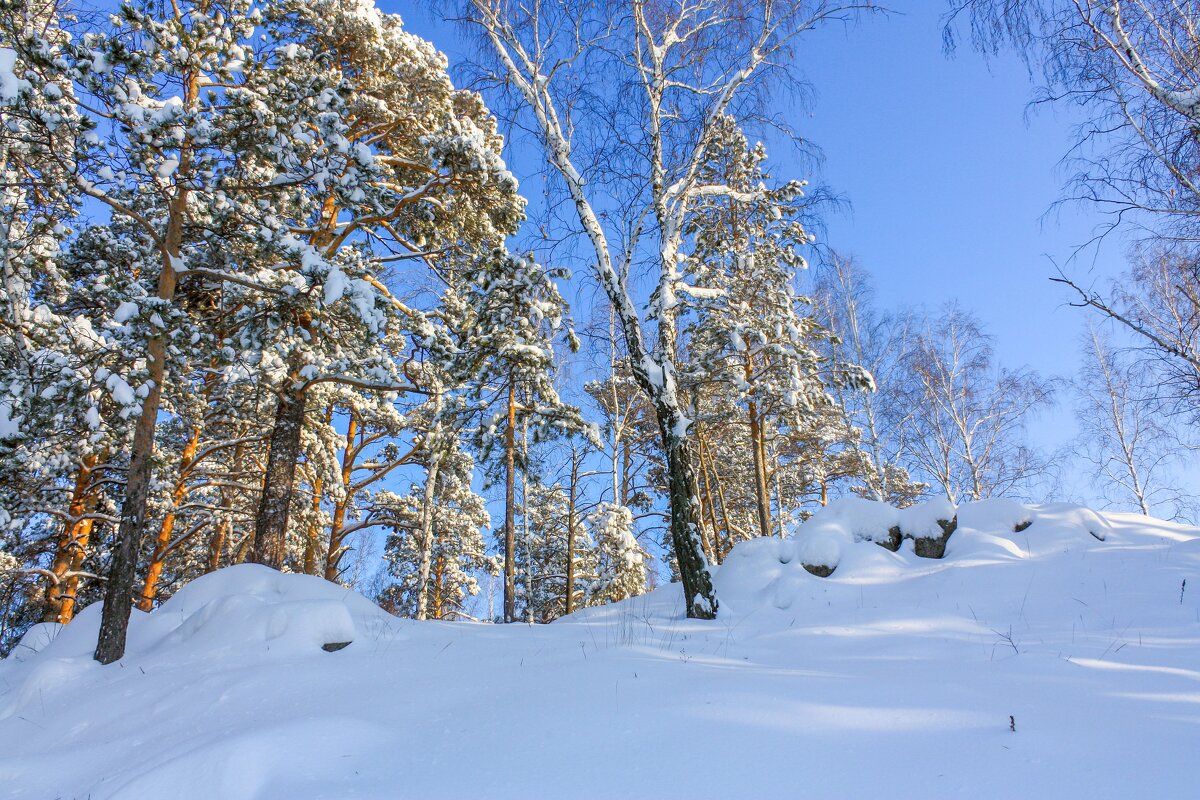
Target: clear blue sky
[[950, 176]]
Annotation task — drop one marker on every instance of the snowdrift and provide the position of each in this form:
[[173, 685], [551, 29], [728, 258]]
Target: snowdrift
[[246, 612], [997, 649]]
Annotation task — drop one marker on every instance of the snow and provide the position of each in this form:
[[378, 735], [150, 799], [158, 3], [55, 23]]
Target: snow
[[895, 677], [10, 83], [9, 425], [126, 311], [825, 537], [121, 391]]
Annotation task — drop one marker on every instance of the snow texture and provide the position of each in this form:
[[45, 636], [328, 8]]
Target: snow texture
[[10, 84], [896, 676], [10, 425]]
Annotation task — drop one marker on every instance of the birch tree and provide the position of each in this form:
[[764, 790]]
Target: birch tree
[[673, 72], [967, 426], [1132, 448], [878, 341], [1130, 65]]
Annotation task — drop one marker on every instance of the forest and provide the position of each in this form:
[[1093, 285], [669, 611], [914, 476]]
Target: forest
[[271, 293], [296, 307]]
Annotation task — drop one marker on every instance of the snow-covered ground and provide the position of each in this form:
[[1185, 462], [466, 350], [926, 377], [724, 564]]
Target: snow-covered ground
[[895, 677]]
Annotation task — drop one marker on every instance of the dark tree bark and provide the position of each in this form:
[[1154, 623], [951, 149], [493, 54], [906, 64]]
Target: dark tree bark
[[274, 508], [700, 601]]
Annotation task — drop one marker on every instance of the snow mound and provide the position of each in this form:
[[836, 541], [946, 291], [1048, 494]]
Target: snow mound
[[853, 541], [1001, 669], [248, 609]]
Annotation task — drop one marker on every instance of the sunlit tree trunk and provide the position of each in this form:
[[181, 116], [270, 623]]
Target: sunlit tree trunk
[[510, 529], [71, 550], [166, 528], [572, 502], [337, 527]]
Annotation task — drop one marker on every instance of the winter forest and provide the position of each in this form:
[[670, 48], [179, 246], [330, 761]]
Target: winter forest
[[556, 325]]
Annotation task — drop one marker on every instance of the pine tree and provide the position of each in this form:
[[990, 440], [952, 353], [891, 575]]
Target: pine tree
[[509, 313], [456, 552], [755, 364], [621, 562]]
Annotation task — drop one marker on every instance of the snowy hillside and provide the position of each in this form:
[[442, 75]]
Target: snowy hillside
[[896, 676]]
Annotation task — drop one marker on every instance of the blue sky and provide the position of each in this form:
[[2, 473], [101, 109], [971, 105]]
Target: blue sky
[[951, 179]]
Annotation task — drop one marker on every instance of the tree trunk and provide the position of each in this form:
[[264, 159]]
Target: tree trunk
[[439, 576], [433, 449], [314, 529], [217, 542], [700, 601], [72, 547], [572, 500], [762, 494], [428, 509], [626, 470], [122, 571], [723, 549], [167, 527], [510, 528], [274, 508], [707, 541], [525, 523], [333, 557], [779, 500], [312, 542]]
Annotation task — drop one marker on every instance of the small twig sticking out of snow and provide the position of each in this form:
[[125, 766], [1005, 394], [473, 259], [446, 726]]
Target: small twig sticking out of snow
[[1012, 723], [1007, 637], [1182, 589]]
